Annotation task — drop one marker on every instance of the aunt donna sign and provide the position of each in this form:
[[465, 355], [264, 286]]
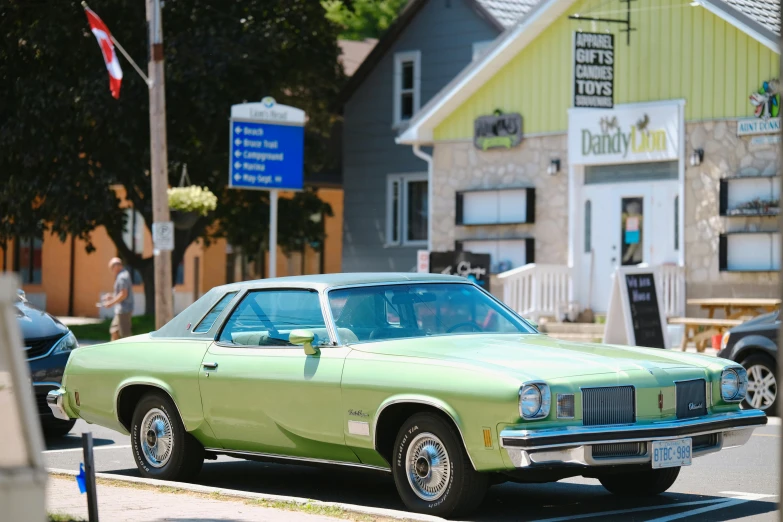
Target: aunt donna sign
[[626, 134]]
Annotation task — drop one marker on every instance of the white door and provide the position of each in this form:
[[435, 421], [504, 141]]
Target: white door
[[625, 224]]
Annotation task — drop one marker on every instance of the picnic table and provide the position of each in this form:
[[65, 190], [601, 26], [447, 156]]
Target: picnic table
[[736, 307], [694, 324]]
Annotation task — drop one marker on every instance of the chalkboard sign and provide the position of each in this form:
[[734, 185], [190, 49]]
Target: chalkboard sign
[[634, 316], [645, 312], [475, 267]]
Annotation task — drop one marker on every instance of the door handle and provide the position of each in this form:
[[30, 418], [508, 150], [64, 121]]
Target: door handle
[[210, 365]]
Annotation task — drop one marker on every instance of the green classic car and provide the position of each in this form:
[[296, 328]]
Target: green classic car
[[427, 377]]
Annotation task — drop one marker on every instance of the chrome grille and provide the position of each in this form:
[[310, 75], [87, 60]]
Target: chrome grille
[[609, 405], [623, 449], [691, 397]]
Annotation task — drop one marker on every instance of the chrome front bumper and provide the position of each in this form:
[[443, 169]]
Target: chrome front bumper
[[55, 401], [573, 445]]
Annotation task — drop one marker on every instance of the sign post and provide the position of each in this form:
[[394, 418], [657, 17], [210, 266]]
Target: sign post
[[267, 153]]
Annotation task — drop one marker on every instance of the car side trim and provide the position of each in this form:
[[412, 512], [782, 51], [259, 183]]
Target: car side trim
[[287, 458], [418, 401]]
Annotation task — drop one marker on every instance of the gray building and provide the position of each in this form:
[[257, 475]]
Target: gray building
[[385, 185]]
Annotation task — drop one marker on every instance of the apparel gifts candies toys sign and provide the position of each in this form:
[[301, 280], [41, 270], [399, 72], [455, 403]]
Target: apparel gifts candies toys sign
[[594, 70]]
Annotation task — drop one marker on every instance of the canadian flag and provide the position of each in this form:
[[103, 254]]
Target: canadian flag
[[103, 36]]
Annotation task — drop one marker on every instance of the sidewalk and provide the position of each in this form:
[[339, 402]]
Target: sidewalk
[[143, 504]]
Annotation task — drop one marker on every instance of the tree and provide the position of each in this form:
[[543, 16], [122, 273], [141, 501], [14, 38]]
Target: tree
[[65, 142], [362, 19]]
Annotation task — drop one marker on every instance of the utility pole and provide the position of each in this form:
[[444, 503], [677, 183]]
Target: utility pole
[[164, 309]]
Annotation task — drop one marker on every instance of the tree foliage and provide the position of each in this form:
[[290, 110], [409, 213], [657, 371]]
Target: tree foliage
[[65, 142], [362, 19]]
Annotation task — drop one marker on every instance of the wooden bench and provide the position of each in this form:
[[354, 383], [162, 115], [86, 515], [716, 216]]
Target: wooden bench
[[694, 324]]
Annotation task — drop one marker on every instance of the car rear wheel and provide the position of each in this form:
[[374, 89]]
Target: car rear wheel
[[762, 383], [640, 483], [432, 471], [162, 448]]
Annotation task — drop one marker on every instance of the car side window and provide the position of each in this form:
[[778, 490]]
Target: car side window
[[267, 317], [206, 324]]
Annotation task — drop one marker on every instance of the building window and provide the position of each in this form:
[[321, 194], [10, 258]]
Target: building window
[[133, 232], [406, 209], [407, 84], [588, 226], [677, 222], [27, 260], [479, 48], [179, 277]]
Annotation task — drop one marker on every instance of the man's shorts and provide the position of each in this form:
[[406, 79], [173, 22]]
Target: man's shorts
[[121, 324]]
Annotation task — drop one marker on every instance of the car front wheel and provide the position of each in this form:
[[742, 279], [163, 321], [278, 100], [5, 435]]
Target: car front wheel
[[640, 483], [762, 383], [162, 448], [432, 470]]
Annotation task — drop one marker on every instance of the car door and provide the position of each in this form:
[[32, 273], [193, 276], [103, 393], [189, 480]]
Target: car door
[[262, 394]]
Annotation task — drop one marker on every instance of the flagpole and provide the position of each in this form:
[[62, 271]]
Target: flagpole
[[164, 306], [132, 62]]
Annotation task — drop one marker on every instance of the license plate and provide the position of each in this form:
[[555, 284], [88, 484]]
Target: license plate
[[671, 453]]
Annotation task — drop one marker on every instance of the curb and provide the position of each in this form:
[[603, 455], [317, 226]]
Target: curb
[[195, 488]]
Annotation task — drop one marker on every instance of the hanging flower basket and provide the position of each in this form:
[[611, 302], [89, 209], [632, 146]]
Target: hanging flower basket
[[184, 220], [187, 204]]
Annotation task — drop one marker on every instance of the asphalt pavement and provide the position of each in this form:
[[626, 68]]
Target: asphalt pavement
[[735, 484]]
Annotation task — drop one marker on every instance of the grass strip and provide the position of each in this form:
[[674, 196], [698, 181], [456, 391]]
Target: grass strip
[[100, 331], [309, 508]]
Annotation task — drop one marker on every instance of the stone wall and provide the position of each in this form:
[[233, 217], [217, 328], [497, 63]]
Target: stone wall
[[460, 166], [725, 154]]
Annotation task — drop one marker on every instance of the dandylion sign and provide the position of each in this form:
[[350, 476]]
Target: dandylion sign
[[626, 134]]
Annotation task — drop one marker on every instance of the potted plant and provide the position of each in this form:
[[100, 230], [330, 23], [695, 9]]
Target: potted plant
[[187, 204]]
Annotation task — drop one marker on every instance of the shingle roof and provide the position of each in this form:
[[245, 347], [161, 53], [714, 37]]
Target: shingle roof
[[508, 12], [765, 12]]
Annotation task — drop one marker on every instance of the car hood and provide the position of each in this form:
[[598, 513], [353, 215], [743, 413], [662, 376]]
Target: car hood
[[762, 320], [35, 323], [538, 356]]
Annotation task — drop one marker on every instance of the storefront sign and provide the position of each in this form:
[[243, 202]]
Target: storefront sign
[[498, 130], [627, 134], [474, 267], [752, 126], [594, 70]]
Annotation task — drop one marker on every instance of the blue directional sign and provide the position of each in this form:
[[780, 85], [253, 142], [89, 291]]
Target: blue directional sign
[[267, 146]]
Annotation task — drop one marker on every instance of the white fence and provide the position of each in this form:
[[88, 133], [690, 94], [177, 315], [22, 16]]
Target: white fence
[[535, 290], [538, 290]]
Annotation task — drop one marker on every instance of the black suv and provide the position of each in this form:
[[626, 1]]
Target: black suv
[[48, 344], [754, 344]]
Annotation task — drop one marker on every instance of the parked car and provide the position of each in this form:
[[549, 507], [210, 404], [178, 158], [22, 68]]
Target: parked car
[[47, 343], [754, 344], [426, 377]]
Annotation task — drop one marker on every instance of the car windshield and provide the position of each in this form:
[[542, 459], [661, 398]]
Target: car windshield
[[417, 310]]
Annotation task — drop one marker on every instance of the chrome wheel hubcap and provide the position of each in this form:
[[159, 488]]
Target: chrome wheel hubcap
[[157, 438], [762, 387], [428, 467]]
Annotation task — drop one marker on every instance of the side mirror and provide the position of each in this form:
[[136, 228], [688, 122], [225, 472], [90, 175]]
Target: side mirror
[[304, 338], [21, 294]]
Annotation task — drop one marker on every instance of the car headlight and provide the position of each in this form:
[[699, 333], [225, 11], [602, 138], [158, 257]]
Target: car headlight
[[724, 341], [66, 344], [534, 401], [733, 384]]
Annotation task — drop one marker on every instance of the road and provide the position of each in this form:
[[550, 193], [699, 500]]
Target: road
[[736, 484]]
